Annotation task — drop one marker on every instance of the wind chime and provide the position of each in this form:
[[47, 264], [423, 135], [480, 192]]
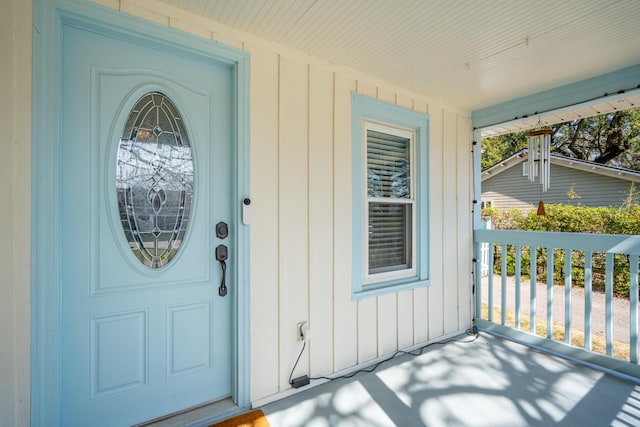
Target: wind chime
[[539, 161]]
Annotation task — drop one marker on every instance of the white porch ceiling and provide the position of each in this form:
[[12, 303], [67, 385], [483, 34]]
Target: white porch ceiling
[[614, 102], [470, 54]]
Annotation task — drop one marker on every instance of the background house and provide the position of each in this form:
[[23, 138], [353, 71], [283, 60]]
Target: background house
[[573, 182]]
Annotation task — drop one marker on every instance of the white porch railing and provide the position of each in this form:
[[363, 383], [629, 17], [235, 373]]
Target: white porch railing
[[578, 250]]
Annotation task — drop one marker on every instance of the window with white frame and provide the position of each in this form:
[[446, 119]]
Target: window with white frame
[[390, 191], [390, 198]]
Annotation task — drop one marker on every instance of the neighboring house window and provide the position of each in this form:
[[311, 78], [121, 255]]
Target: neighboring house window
[[486, 203], [390, 197]]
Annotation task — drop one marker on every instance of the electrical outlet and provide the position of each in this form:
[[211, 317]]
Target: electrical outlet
[[302, 331]]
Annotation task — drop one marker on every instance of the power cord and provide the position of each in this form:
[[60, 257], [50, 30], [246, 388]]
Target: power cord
[[297, 360], [473, 331]]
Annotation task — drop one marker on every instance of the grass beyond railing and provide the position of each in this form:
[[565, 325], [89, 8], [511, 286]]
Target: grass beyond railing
[[621, 350], [565, 245]]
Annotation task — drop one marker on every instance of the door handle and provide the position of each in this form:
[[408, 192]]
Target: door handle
[[221, 256]]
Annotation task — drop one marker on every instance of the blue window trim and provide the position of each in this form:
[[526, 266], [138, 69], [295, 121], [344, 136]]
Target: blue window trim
[[363, 109]]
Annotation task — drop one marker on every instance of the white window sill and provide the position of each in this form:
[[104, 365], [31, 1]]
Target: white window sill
[[384, 288]]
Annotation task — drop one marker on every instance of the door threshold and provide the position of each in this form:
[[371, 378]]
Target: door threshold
[[208, 412]]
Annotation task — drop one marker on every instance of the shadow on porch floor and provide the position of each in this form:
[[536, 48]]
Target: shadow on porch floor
[[490, 382]]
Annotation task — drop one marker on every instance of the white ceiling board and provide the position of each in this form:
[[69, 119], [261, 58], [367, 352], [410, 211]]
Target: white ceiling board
[[471, 54]]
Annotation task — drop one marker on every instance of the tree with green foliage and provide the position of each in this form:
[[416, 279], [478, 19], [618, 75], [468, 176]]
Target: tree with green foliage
[[498, 148], [611, 139]]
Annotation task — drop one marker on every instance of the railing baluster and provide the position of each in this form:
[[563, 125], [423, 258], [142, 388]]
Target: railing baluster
[[608, 292], [549, 293], [567, 295], [490, 283], [485, 252], [503, 288], [532, 289], [588, 278], [633, 307], [518, 273]]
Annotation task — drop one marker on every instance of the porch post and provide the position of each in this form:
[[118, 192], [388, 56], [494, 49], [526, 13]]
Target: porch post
[[477, 221]]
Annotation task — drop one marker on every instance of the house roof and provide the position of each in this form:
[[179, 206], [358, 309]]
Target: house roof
[[521, 156], [470, 54]]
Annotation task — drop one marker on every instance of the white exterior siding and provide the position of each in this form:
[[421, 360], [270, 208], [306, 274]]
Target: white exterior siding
[[15, 208], [15, 205], [313, 170], [310, 180], [301, 219]]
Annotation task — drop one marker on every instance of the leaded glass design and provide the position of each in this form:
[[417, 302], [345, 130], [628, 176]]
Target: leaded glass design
[[154, 180]]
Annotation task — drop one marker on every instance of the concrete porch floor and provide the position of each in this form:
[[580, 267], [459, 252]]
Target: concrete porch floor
[[487, 382]]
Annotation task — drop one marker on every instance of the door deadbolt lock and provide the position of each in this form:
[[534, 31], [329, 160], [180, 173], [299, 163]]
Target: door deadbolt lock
[[222, 230]]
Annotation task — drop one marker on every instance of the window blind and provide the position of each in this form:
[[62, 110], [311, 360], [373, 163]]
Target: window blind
[[389, 201], [387, 165]]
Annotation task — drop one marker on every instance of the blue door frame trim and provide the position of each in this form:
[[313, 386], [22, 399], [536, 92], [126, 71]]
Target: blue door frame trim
[[49, 17]]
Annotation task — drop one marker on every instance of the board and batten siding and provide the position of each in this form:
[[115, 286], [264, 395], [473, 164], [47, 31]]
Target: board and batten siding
[[510, 189], [15, 211], [301, 215]]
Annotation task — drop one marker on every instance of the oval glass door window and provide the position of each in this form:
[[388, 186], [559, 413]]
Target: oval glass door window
[[154, 180]]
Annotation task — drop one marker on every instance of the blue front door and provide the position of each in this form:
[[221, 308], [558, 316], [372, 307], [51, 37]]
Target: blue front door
[[145, 164]]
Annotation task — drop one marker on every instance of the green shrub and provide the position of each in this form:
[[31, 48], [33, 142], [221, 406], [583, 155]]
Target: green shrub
[[568, 219]]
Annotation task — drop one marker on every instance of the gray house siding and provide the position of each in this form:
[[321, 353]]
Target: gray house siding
[[510, 189]]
